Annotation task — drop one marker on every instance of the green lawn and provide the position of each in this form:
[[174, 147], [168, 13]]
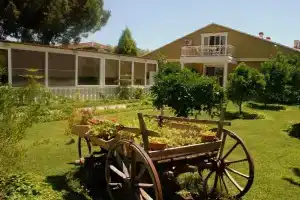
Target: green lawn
[[276, 154]]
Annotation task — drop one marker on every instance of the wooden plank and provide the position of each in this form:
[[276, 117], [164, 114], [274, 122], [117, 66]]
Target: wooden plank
[[144, 132], [80, 130], [200, 121], [103, 143], [185, 150]]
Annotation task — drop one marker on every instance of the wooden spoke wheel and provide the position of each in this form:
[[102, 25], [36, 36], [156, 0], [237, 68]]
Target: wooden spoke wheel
[[84, 147], [231, 172], [131, 174]]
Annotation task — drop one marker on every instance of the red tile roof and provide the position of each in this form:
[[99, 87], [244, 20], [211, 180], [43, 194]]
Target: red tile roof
[[86, 45]]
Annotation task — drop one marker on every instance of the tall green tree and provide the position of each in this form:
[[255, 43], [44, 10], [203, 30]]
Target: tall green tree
[[277, 75], [127, 45], [50, 22], [244, 84]]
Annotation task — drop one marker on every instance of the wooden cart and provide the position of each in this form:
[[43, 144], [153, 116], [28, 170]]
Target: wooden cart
[[134, 172]]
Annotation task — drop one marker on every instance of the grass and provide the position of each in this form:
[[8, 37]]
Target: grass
[[275, 153]]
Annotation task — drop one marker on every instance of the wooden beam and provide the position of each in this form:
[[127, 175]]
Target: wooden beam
[[200, 121], [185, 150], [144, 131]]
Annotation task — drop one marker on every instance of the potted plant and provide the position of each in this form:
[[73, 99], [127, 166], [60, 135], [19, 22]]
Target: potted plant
[[208, 136], [157, 143], [104, 129]]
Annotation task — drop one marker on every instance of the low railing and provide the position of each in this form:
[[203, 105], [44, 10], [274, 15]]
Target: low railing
[[211, 50], [87, 93]]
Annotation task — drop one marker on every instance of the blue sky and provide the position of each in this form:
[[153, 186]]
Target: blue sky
[[154, 23]]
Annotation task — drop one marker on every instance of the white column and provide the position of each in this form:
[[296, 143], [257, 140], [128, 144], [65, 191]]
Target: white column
[[132, 73], [103, 61], [76, 70], [146, 73], [182, 65], [225, 74], [101, 68], [9, 62], [204, 70], [119, 81], [46, 69]]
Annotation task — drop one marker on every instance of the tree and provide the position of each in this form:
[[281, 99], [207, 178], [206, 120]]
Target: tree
[[126, 45], [142, 52], [45, 21], [185, 91], [244, 84], [277, 75]]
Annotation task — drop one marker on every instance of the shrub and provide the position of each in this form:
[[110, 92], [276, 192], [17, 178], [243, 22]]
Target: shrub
[[138, 93], [185, 91], [25, 186], [124, 92], [190, 182], [277, 75], [244, 84], [19, 109]]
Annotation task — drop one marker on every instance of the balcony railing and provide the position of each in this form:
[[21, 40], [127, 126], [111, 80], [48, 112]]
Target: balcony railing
[[211, 50]]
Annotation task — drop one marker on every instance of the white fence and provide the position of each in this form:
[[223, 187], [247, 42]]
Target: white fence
[[87, 93]]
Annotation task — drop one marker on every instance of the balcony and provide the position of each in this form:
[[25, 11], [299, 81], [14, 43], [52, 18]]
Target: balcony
[[208, 51]]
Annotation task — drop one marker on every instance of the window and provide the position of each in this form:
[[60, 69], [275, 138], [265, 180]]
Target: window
[[126, 73], [139, 73], [111, 72], [61, 69], [22, 63], [88, 71], [151, 69], [215, 71], [4, 65], [214, 39]]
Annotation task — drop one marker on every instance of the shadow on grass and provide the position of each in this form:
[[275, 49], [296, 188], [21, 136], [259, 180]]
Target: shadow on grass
[[294, 130], [259, 106], [88, 182], [229, 115], [82, 183], [60, 183], [296, 172]]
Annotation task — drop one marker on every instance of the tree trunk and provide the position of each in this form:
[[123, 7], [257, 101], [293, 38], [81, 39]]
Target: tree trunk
[[240, 108]]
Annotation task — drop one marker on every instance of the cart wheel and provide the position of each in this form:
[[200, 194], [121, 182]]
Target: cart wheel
[[131, 174], [231, 172], [84, 150]]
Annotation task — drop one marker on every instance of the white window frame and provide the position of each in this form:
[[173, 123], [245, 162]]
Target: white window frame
[[146, 70], [133, 77], [9, 72], [203, 35], [77, 76], [119, 72]]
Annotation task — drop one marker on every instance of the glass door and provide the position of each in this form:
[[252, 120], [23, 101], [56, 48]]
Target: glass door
[[214, 44], [215, 72]]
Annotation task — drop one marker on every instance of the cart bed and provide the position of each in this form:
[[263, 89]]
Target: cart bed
[[183, 151]]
